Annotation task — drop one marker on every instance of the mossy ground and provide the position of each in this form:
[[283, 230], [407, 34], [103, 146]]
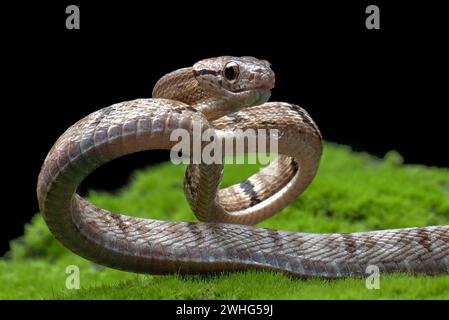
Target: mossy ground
[[352, 192]]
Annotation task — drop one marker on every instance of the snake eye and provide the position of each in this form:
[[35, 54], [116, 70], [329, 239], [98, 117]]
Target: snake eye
[[231, 71]]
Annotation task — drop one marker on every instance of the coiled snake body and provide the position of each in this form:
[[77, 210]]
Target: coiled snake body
[[224, 93]]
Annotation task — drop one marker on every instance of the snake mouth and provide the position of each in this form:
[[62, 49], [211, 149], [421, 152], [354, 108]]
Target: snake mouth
[[261, 88]]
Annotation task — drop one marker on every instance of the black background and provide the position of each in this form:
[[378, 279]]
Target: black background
[[282, 309], [376, 90]]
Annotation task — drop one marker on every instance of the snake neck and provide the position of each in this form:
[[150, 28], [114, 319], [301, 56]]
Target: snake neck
[[181, 85]]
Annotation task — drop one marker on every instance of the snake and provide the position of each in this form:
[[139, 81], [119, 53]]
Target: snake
[[224, 94]]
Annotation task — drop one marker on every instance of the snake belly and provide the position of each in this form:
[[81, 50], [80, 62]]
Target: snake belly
[[225, 240]]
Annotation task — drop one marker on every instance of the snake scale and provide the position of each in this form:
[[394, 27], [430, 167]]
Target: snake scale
[[226, 94]]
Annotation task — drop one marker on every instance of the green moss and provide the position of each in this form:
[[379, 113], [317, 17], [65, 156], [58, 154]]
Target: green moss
[[352, 192]]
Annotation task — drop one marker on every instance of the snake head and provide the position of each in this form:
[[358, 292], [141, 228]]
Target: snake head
[[245, 81]]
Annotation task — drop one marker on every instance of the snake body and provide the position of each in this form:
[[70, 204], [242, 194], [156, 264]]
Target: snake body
[[225, 94]]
